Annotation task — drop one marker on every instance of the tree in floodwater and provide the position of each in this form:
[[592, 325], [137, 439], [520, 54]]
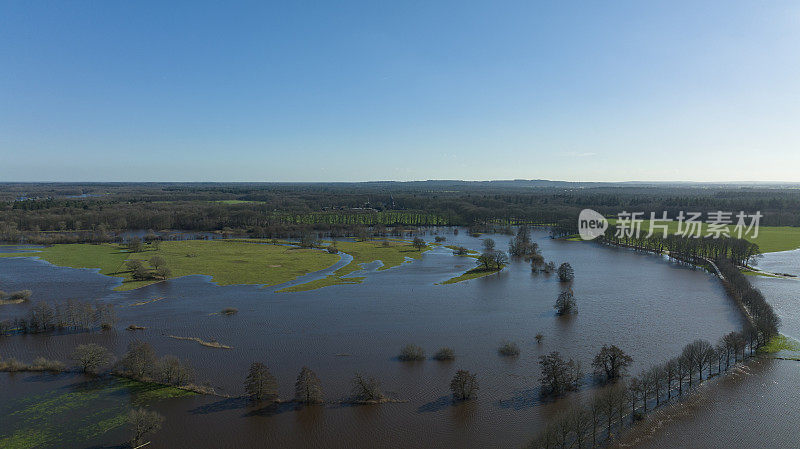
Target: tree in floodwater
[[418, 243], [140, 360], [308, 389], [366, 389], [143, 422], [488, 245], [558, 375], [565, 304], [91, 357], [611, 363], [464, 385], [565, 272], [260, 384]]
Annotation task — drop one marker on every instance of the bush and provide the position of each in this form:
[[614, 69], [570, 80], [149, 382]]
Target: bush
[[509, 349], [332, 249], [22, 295], [412, 353], [439, 239], [444, 354], [43, 364], [229, 311]]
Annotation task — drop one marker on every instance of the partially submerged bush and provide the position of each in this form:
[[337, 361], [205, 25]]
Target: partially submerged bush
[[21, 295], [43, 364], [229, 311], [411, 353], [444, 354], [509, 349]]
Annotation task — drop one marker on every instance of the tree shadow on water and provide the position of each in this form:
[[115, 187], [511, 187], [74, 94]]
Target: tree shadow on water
[[521, 400], [439, 404], [221, 406], [272, 409]]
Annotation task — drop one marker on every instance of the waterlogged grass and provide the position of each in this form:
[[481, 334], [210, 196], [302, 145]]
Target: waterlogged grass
[[81, 412], [391, 255], [769, 239], [780, 343], [471, 274], [227, 262]]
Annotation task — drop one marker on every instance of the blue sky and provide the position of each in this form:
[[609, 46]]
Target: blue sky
[[375, 90]]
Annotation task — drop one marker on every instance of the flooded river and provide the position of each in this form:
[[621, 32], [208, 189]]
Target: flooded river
[[648, 306]]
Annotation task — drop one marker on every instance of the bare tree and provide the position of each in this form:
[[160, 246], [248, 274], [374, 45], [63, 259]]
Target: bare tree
[[260, 384], [366, 389], [143, 422], [611, 363], [91, 357], [308, 389], [139, 362], [464, 385]]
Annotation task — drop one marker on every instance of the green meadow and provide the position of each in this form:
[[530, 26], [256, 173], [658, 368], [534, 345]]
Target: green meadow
[[227, 262], [769, 239]]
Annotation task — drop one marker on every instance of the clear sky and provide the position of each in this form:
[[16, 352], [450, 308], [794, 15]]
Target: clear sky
[[399, 90]]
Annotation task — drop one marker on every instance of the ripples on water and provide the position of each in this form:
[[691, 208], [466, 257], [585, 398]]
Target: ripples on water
[[648, 306]]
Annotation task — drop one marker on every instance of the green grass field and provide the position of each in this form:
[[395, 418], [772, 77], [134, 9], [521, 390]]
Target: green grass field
[[770, 238], [227, 262], [471, 274], [363, 253]]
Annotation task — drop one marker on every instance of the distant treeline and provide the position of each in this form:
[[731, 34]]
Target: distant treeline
[[70, 315], [286, 210]]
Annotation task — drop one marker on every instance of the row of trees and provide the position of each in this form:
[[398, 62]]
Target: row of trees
[[260, 385], [70, 315], [694, 250], [622, 400]]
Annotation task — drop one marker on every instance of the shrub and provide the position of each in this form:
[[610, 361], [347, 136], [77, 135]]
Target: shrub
[[22, 295], [444, 354], [439, 239], [539, 337], [43, 364], [412, 353], [229, 311], [509, 349]]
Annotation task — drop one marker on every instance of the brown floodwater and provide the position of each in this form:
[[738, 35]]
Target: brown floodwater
[[645, 304], [756, 406]]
